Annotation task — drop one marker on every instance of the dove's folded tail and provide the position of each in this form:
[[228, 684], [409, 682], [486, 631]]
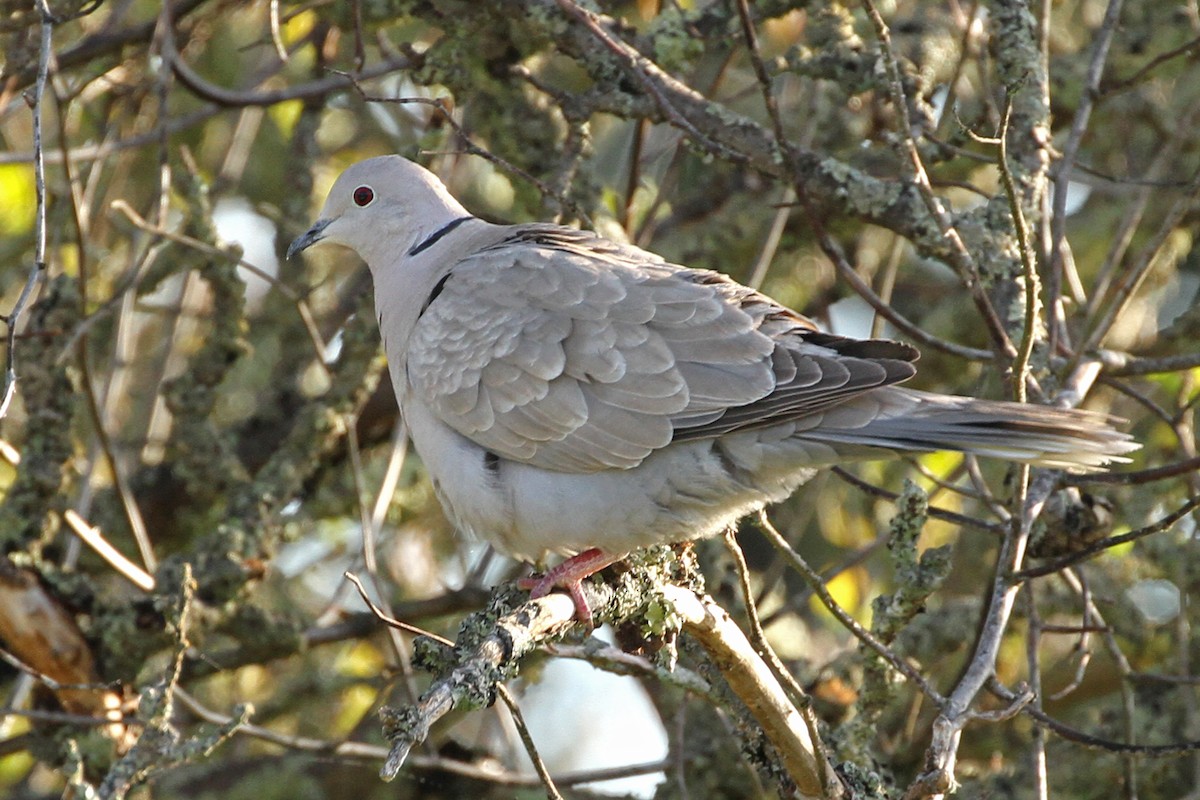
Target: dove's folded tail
[[1072, 439]]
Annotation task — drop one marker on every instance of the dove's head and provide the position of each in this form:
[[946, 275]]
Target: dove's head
[[380, 208]]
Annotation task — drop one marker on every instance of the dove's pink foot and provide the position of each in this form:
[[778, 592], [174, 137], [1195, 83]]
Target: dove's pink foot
[[568, 575]]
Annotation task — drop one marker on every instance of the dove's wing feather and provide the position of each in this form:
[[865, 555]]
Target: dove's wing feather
[[561, 350]]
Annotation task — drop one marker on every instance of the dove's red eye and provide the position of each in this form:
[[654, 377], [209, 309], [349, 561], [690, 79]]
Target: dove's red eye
[[363, 195]]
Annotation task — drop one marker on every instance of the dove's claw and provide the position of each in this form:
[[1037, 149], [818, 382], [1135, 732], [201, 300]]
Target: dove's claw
[[569, 575]]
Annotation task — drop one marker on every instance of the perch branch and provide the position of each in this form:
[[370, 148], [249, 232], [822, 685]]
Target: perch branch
[[475, 675], [752, 681]]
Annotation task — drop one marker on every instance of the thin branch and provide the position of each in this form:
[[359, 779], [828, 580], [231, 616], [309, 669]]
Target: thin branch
[[961, 257], [38, 270], [1090, 740], [233, 98], [539, 766], [1020, 365], [935, 512], [1101, 41], [1138, 477], [391, 622], [1122, 293], [1125, 365], [1120, 85], [1033, 693], [862, 634], [902, 323], [276, 35], [618, 662]]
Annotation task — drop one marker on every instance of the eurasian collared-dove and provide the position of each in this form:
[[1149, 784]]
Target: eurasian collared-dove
[[572, 395]]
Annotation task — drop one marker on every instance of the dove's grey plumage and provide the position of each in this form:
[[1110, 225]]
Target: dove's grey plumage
[[566, 392]]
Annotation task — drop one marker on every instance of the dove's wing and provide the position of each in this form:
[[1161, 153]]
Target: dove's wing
[[562, 350]]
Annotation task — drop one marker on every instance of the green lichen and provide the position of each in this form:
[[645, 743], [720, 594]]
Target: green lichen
[[27, 518], [832, 50], [201, 453], [917, 575]]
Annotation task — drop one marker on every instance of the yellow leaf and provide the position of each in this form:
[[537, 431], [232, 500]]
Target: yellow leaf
[[18, 199], [846, 588], [284, 115], [361, 661], [356, 703], [298, 27], [15, 767]]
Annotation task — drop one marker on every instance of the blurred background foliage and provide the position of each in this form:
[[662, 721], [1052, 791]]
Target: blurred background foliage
[[194, 400]]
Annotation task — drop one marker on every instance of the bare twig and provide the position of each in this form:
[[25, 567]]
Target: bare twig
[[935, 512], [276, 34], [1140, 75], [233, 98], [1070, 152], [390, 621], [1095, 742], [1033, 693]]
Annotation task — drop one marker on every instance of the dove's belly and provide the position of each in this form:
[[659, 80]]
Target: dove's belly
[[686, 491]]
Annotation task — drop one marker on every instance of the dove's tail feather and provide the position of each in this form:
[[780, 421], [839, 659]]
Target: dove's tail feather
[[1043, 435]]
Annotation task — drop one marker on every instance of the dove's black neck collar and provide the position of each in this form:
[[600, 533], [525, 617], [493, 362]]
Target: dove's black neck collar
[[432, 239]]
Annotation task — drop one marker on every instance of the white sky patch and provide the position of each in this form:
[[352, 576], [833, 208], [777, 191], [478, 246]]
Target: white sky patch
[[582, 718], [1157, 600], [851, 316], [1077, 196], [237, 222]]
